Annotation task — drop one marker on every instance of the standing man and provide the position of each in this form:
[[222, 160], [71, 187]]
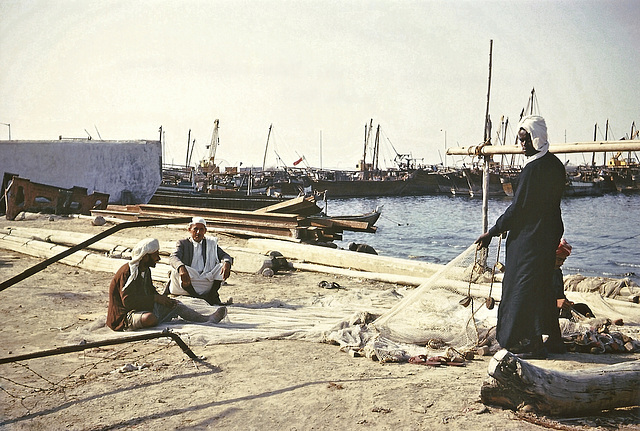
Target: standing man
[[534, 222], [134, 302], [199, 265]]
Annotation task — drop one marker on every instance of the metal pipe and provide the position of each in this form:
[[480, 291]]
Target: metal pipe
[[42, 265], [79, 347]]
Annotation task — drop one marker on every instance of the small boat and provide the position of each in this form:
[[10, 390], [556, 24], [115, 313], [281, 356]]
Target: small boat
[[358, 222], [370, 217]]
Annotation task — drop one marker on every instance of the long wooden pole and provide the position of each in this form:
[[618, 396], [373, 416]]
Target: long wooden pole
[[487, 158], [573, 147]]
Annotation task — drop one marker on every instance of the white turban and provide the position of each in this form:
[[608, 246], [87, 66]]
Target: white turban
[[144, 247], [537, 128], [196, 220]]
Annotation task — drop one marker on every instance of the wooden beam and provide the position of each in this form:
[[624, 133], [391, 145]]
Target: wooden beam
[[574, 147], [518, 383]]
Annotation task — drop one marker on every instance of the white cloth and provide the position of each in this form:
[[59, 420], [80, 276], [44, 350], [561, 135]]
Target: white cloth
[[201, 280], [146, 246], [537, 128], [197, 262]]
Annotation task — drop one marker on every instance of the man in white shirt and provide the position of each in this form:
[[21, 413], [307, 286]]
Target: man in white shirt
[[199, 265]]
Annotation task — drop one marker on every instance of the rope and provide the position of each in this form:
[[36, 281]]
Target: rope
[[609, 245], [398, 223]]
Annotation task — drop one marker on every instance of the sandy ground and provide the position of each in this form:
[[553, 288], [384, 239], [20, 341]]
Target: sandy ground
[[273, 384]]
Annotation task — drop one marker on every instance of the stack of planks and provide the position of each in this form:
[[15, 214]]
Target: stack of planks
[[286, 220]]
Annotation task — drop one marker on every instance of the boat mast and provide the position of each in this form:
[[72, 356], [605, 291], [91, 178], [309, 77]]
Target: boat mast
[[606, 138], [186, 162], [367, 134], [487, 158], [376, 148], [595, 138], [264, 160], [320, 149]]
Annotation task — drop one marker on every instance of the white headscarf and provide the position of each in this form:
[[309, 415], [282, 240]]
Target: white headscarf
[[537, 128], [146, 246]]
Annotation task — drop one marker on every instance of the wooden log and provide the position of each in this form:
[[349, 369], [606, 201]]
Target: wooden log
[[345, 258], [70, 238], [518, 384], [246, 261]]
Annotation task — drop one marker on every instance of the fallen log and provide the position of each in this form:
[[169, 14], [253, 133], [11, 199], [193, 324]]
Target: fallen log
[[519, 385], [345, 258]]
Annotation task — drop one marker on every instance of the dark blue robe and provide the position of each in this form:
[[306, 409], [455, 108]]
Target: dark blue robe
[[528, 305]]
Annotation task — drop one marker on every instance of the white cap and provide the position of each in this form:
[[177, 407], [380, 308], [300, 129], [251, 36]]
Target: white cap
[[198, 220]]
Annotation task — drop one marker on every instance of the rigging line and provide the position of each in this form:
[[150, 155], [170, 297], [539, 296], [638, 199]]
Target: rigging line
[[609, 245], [391, 220]]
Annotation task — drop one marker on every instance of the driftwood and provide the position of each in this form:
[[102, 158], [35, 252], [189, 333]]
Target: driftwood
[[518, 384]]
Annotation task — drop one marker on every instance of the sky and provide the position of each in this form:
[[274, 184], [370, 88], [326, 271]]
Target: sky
[[316, 72]]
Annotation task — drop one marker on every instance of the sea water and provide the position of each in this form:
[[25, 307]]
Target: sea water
[[604, 231]]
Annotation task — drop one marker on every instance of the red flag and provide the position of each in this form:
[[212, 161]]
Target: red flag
[[297, 162]]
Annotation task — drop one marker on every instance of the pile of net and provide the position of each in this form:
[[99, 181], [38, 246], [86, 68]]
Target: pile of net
[[453, 309], [456, 310]]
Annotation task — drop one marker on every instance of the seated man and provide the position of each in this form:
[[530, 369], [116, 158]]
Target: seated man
[[134, 302], [199, 265]]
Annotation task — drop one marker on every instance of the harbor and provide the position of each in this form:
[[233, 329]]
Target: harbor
[[269, 215]]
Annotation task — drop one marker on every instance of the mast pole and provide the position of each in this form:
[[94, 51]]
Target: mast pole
[[264, 160], [487, 159], [186, 162], [320, 149]]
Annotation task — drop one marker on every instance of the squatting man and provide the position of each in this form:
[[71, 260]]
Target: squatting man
[[199, 265], [134, 302]]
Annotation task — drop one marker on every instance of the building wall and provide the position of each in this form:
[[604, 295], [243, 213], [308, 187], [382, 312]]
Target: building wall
[[129, 171]]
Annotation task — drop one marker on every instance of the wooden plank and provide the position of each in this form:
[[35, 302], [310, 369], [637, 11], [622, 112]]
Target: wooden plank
[[300, 205]]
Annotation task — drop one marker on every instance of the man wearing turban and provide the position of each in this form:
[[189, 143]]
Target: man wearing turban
[[133, 300], [528, 305], [199, 265]]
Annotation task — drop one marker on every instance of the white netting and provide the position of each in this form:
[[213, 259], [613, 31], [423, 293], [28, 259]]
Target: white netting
[[433, 316], [433, 310]]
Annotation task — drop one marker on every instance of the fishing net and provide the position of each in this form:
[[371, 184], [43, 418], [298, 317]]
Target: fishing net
[[453, 308]]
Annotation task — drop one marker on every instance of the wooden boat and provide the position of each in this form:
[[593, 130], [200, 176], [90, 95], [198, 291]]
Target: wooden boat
[[217, 199], [588, 181], [369, 219], [423, 182], [359, 187]]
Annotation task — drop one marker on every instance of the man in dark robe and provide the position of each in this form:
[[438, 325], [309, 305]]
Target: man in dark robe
[[528, 305]]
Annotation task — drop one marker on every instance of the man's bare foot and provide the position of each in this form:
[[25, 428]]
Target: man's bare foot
[[219, 314]]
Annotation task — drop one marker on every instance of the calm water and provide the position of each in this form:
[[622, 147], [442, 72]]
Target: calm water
[[604, 231]]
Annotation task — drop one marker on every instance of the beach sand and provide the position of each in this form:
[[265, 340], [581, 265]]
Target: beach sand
[[264, 385]]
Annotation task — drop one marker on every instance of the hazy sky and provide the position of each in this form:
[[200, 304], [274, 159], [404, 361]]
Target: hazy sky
[[317, 70]]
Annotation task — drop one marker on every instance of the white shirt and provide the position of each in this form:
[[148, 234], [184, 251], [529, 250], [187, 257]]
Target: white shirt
[[197, 263]]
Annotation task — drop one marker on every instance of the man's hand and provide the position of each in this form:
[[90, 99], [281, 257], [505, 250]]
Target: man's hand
[[225, 271], [184, 276], [564, 304], [483, 240]]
